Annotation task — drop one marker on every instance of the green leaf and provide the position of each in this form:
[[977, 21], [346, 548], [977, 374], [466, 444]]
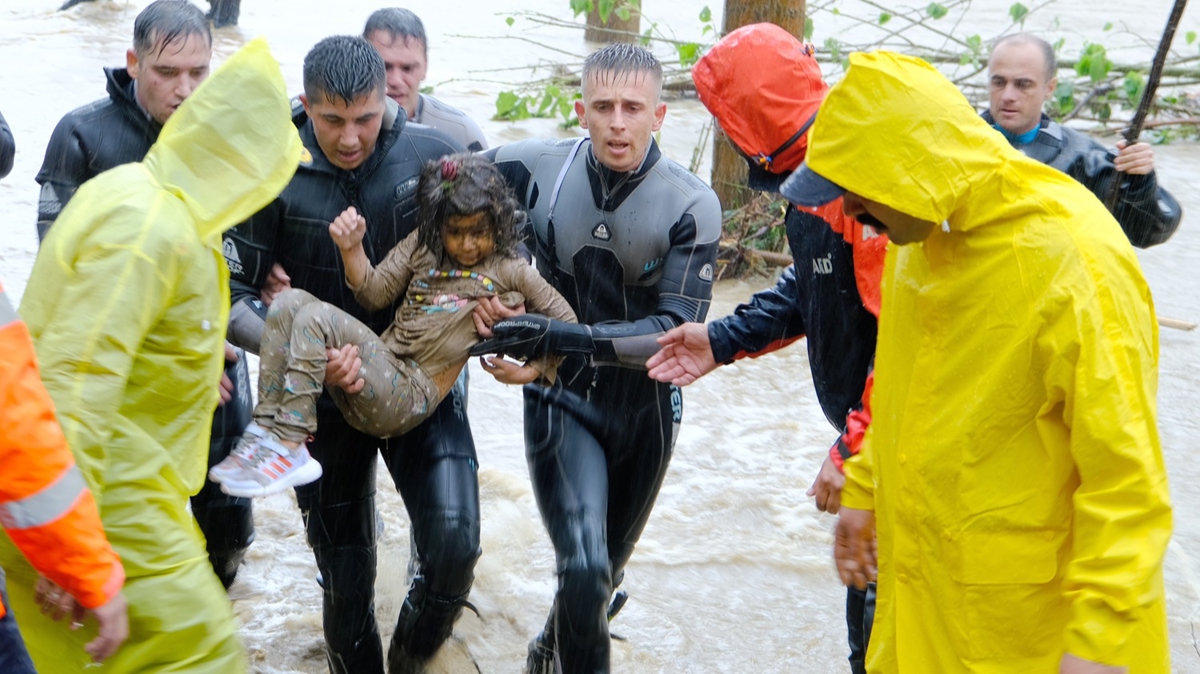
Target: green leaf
[[1064, 97], [835, 11], [689, 53], [509, 21], [606, 8], [581, 7], [1058, 44], [936, 10], [834, 48], [1107, 27], [965, 59], [1135, 84], [1018, 12], [884, 17], [1093, 62], [427, 89], [706, 14], [506, 102], [1104, 112], [975, 44], [707, 28], [808, 28], [1191, 36], [623, 13], [644, 40]]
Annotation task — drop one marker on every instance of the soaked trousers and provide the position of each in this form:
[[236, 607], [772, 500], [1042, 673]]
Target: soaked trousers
[[227, 521], [860, 615], [435, 469], [14, 659], [396, 396], [597, 456]]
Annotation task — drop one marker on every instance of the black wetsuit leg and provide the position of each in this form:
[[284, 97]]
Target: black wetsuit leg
[[227, 521], [339, 516], [597, 464], [435, 469], [860, 615]]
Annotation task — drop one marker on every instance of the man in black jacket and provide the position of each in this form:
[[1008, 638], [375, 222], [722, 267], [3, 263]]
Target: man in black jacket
[[361, 153], [1022, 77], [172, 47]]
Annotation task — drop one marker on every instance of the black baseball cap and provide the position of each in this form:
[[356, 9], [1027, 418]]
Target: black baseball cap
[[806, 188]]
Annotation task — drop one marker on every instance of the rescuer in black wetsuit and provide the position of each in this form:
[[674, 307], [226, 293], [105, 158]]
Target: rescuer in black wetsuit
[[629, 238], [361, 153], [172, 47]]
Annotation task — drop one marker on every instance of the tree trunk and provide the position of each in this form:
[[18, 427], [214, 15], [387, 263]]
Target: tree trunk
[[224, 12], [729, 168], [599, 31]]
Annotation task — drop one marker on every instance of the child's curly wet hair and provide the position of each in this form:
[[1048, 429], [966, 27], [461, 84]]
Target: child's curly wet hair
[[465, 184]]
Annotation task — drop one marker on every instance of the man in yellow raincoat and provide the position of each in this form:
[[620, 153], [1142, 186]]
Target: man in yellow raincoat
[[1013, 467], [127, 306]]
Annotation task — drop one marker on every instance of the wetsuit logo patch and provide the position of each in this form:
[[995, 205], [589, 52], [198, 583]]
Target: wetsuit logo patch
[[652, 265], [229, 250], [305, 157], [706, 272], [601, 232]]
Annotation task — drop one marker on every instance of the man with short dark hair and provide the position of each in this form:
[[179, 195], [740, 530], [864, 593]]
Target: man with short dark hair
[[1022, 75], [172, 47], [629, 238], [362, 153], [399, 35]]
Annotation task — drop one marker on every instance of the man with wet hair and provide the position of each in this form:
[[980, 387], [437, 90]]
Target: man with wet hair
[[172, 48], [362, 153], [399, 36], [1022, 74], [629, 238]]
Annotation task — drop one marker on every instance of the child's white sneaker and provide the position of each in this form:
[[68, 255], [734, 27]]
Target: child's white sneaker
[[271, 469], [242, 453]]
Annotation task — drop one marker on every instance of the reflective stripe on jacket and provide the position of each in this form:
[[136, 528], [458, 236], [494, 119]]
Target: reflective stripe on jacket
[[45, 506]]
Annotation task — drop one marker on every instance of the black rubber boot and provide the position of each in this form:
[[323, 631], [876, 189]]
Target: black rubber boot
[[426, 621], [224, 12]]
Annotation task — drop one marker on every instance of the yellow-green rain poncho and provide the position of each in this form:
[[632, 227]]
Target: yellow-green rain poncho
[[1013, 461], [127, 305]]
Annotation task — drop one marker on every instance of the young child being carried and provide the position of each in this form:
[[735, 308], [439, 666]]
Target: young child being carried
[[464, 249]]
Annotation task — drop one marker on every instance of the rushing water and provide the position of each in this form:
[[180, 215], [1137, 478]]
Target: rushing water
[[733, 573]]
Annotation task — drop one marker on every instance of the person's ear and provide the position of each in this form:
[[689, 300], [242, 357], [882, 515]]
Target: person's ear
[[660, 113], [131, 63], [1051, 86], [304, 101], [579, 110]]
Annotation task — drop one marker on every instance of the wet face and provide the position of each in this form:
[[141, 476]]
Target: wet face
[[468, 239], [404, 59], [621, 113], [347, 133], [166, 75], [901, 228], [1019, 85]]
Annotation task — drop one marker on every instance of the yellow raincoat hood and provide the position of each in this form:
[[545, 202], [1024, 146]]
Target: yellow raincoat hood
[[127, 305], [1013, 460]]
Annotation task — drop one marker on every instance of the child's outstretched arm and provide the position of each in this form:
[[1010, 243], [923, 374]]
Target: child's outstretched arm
[[347, 231]]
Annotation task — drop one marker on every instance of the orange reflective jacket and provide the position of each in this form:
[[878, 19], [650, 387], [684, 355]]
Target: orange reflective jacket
[[45, 505]]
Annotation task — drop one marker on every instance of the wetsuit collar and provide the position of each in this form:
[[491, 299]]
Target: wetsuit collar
[[389, 133], [1016, 139], [122, 90], [609, 187]]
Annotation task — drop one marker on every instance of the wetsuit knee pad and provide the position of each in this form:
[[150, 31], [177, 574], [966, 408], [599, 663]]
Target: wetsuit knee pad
[[448, 544]]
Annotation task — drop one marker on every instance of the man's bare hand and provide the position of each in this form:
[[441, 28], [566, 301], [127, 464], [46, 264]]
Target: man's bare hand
[[53, 600], [507, 371], [490, 310], [1073, 665], [226, 386], [114, 628], [1136, 159], [277, 282], [827, 488], [348, 229], [343, 369], [685, 356], [854, 547]]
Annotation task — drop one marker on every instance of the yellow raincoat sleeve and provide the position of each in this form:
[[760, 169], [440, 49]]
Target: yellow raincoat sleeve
[[103, 309], [1122, 514], [859, 490]]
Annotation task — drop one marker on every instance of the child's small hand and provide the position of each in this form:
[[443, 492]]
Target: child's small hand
[[348, 229], [509, 372]]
